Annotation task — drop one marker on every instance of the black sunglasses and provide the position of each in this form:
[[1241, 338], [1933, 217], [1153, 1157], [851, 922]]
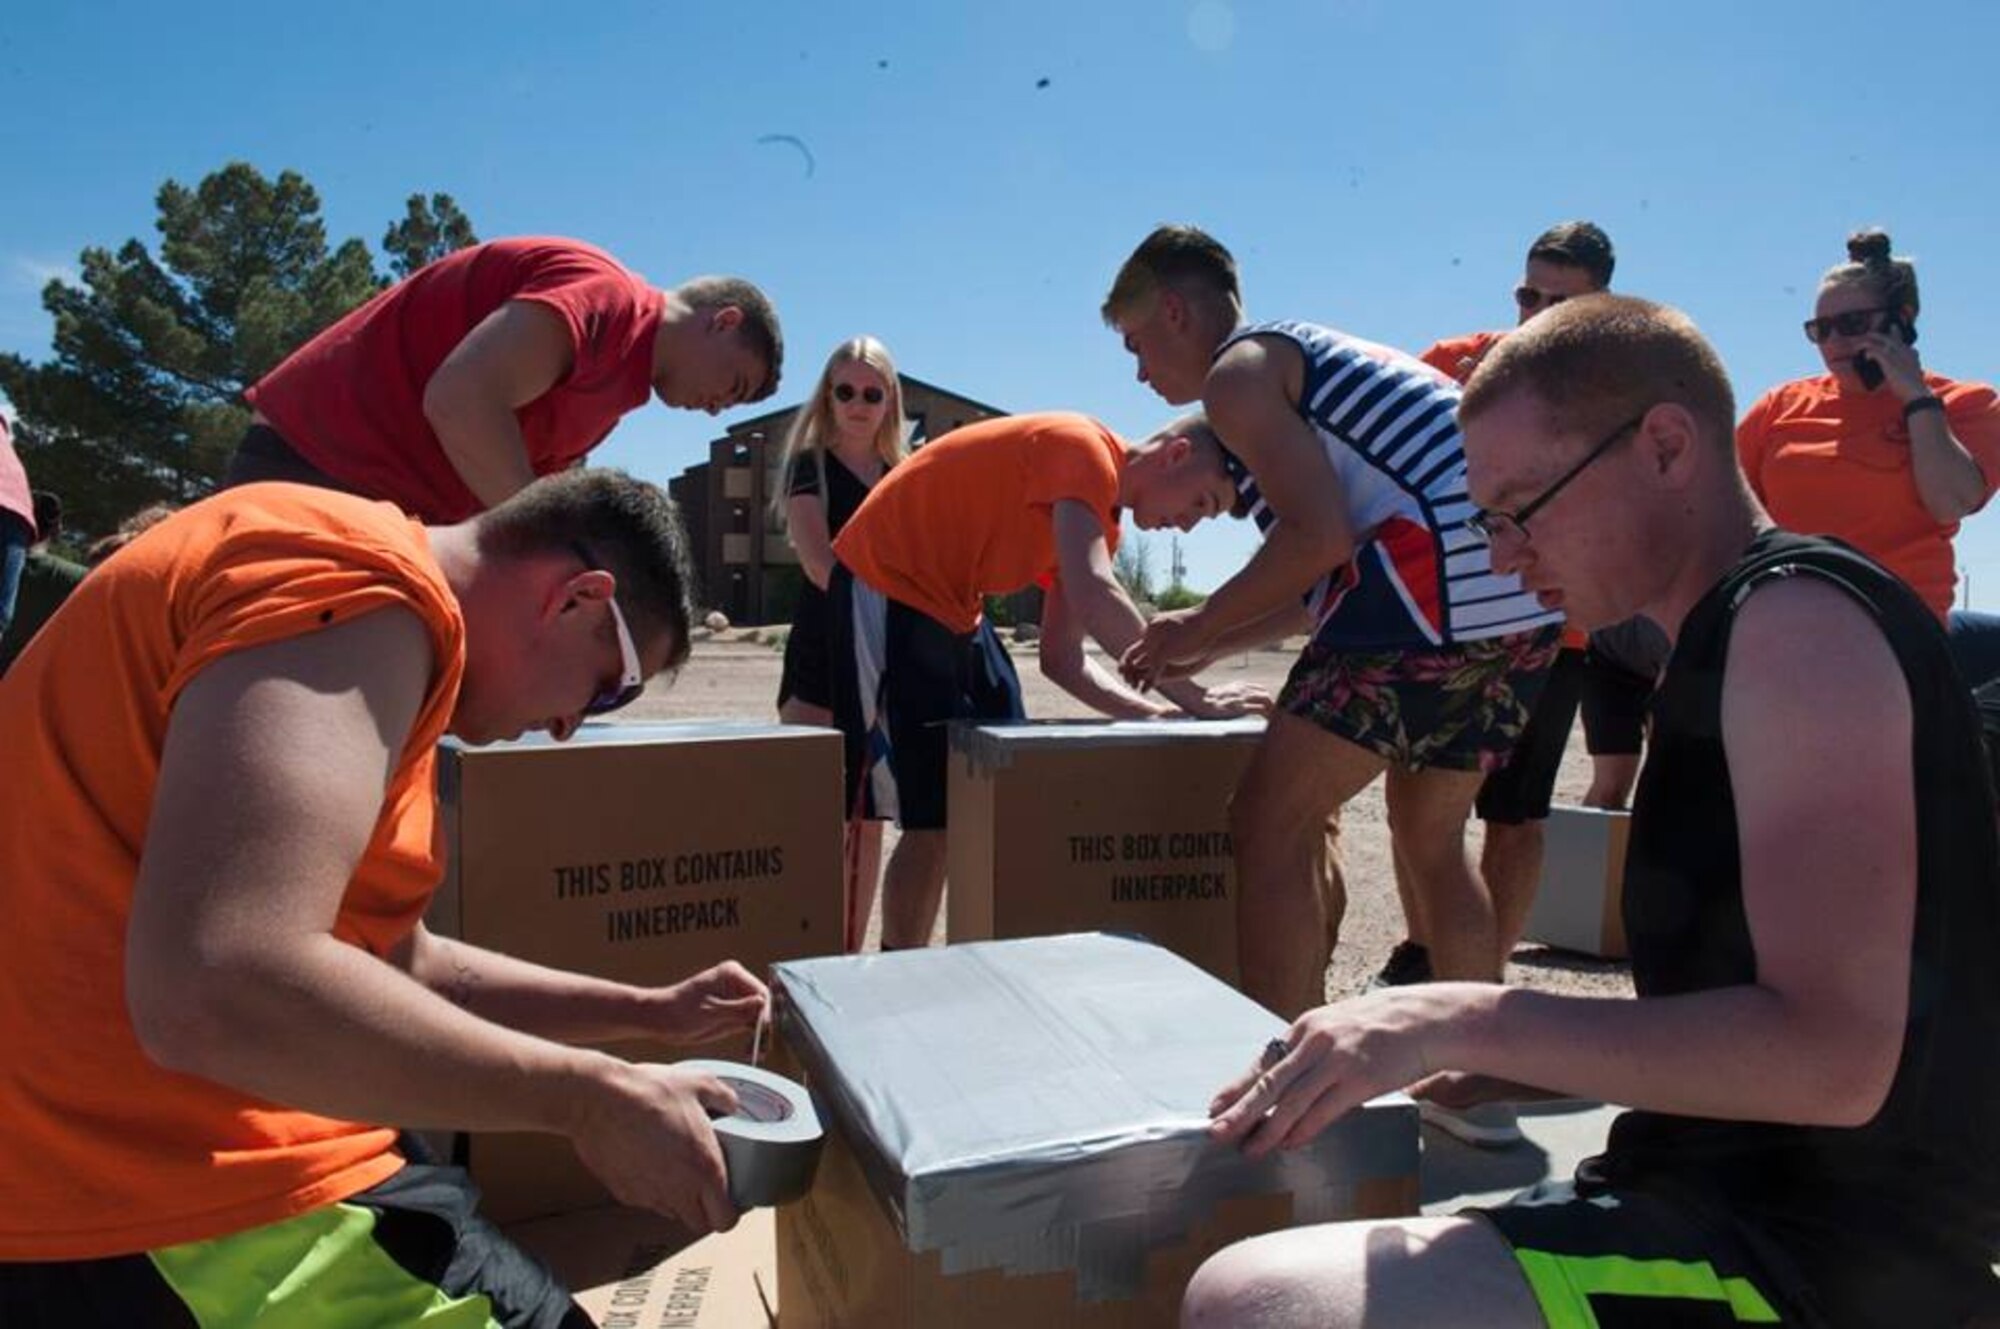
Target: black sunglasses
[[1848, 323], [1489, 526], [844, 392], [1530, 297]]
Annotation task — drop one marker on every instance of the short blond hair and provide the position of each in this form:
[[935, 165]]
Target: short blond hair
[[1174, 257], [1599, 359]]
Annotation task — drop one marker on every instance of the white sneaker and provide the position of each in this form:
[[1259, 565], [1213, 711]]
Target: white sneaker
[[1485, 1125]]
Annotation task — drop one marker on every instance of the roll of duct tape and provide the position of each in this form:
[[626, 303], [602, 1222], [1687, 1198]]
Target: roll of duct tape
[[771, 1142]]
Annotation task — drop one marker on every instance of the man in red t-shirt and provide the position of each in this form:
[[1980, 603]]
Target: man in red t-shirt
[[454, 388]]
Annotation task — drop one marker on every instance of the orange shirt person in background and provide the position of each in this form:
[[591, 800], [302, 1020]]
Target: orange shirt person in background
[[1890, 459], [988, 509], [217, 996]]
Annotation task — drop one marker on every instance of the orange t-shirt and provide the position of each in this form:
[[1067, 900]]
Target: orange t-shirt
[[1457, 357], [1828, 462], [970, 514], [103, 1152]]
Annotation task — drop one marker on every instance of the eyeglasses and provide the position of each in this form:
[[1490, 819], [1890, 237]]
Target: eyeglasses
[[844, 392], [1490, 526], [1848, 323], [1532, 298], [632, 679]]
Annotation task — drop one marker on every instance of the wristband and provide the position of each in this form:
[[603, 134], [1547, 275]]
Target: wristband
[[1927, 402]]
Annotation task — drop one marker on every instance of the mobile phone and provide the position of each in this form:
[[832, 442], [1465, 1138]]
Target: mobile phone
[[1867, 370]]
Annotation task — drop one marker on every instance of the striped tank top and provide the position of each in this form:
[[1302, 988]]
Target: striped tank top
[[1419, 575]]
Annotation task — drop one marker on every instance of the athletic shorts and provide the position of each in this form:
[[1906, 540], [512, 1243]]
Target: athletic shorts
[[410, 1251], [1459, 707], [1520, 791], [900, 678], [1627, 1259]]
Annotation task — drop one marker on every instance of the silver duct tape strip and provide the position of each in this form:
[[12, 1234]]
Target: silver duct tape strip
[[1095, 1228], [771, 1144]]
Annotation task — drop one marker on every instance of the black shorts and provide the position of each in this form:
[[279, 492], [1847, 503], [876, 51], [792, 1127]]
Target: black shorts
[[900, 678], [1636, 1257], [808, 672], [264, 455], [409, 1246], [1520, 791], [1629, 1259], [1614, 708]]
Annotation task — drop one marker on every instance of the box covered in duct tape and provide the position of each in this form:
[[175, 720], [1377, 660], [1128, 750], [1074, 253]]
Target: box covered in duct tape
[[1119, 826], [642, 853], [1017, 1134], [1580, 903]]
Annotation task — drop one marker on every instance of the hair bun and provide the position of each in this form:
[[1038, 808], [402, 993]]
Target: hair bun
[[1868, 246]]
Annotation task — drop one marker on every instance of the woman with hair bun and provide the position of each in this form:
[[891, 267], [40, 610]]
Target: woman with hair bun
[[1879, 451], [843, 439]]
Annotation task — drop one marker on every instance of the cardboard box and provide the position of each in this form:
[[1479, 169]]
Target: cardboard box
[[1115, 826], [1579, 905], [1017, 1135], [641, 853], [630, 1269]]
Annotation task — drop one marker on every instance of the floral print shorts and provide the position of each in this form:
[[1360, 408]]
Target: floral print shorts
[[1456, 707]]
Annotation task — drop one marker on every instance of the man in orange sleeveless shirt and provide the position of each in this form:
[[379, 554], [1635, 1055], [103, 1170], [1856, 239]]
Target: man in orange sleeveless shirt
[[216, 991]]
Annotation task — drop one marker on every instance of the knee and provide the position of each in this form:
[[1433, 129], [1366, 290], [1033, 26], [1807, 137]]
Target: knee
[[1233, 1289]]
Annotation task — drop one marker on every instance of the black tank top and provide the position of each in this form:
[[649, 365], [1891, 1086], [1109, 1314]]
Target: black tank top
[[1915, 1193]]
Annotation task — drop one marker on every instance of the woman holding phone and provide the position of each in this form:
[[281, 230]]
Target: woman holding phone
[[845, 436], [1879, 451]]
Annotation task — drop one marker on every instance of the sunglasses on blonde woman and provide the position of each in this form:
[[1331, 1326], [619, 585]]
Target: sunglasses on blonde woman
[[844, 392]]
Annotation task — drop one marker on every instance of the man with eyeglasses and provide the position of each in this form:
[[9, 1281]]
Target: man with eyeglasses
[[1609, 680], [1421, 659], [1813, 904], [457, 386], [217, 995]]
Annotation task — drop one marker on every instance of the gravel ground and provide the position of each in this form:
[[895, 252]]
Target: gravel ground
[[735, 675]]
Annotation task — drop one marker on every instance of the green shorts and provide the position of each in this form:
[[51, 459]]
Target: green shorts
[[1622, 1259], [410, 1251]]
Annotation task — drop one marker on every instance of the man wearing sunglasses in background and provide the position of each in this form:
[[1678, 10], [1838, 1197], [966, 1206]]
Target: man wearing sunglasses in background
[[1812, 897], [1422, 659], [1570, 259], [217, 995], [506, 360]]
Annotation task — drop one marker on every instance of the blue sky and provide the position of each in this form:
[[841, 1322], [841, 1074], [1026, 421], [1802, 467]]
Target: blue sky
[[1377, 166]]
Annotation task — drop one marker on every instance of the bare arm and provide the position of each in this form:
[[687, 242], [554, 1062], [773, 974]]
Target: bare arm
[[271, 784], [1827, 827], [578, 1008], [1066, 665], [1949, 481], [1249, 398], [1091, 597], [515, 354], [805, 519]]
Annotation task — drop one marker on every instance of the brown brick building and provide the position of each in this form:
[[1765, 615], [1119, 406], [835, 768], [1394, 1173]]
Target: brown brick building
[[746, 565]]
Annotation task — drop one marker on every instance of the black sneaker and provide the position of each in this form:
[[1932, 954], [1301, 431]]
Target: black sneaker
[[1409, 963]]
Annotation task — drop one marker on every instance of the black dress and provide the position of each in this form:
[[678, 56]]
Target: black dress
[[808, 675]]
